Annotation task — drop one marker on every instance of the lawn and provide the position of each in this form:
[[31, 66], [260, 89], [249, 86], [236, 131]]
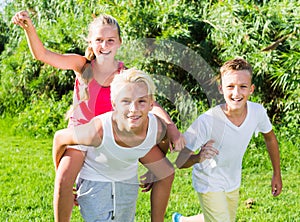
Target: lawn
[[27, 174]]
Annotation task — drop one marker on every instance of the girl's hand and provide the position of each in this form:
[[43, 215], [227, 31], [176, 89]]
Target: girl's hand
[[178, 144], [22, 19], [176, 138]]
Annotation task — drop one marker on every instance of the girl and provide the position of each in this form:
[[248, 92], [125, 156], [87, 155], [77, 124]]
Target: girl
[[94, 73]]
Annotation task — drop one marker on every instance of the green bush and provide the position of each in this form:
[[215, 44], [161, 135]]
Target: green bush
[[267, 35], [43, 116], [181, 43]]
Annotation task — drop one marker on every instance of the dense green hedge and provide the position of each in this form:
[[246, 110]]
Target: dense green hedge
[[182, 43]]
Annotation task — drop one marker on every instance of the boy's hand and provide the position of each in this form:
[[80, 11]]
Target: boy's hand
[[276, 185], [146, 181], [75, 197], [208, 151]]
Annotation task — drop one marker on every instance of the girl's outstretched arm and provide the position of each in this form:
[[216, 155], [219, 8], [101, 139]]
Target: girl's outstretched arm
[[62, 61]]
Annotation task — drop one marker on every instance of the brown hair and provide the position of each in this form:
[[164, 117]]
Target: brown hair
[[236, 64]]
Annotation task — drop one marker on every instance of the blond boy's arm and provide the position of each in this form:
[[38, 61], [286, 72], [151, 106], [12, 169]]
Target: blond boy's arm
[[273, 150], [89, 134]]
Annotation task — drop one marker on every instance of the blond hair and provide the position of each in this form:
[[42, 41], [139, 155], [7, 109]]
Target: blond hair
[[96, 24], [87, 73], [131, 76]]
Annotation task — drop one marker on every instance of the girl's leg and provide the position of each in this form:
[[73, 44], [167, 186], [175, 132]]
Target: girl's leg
[[66, 174]]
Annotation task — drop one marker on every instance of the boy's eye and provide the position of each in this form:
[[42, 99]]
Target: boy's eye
[[126, 102], [142, 101]]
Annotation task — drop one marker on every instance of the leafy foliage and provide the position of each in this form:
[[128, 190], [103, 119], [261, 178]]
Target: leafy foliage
[[43, 116], [181, 43]]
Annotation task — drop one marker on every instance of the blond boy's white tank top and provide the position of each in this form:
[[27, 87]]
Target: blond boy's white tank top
[[111, 162]]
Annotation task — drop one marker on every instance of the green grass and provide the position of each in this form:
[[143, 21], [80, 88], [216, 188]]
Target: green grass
[[27, 175]]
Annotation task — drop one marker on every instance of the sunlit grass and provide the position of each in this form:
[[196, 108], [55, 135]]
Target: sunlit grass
[[27, 176]]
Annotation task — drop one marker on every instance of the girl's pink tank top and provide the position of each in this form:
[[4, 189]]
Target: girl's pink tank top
[[98, 103]]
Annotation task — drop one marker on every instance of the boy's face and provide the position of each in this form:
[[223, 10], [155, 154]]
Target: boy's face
[[105, 41], [132, 106], [236, 87]]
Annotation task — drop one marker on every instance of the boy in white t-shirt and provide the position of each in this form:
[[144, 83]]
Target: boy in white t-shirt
[[217, 167]]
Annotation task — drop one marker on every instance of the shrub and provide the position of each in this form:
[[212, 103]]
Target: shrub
[[181, 43]]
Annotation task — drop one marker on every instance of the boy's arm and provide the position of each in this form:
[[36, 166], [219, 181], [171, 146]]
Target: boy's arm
[[188, 158], [162, 142], [89, 134], [273, 150], [173, 133], [67, 61], [163, 172]]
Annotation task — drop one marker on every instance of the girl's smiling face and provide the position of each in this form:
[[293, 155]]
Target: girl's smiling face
[[105, 41], [236, 87]]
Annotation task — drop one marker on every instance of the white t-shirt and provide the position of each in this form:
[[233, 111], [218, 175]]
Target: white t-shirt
[[111, 162], [223, 173]]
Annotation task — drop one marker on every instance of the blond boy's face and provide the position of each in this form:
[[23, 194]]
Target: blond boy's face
[[132, 106], [236, 87]]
